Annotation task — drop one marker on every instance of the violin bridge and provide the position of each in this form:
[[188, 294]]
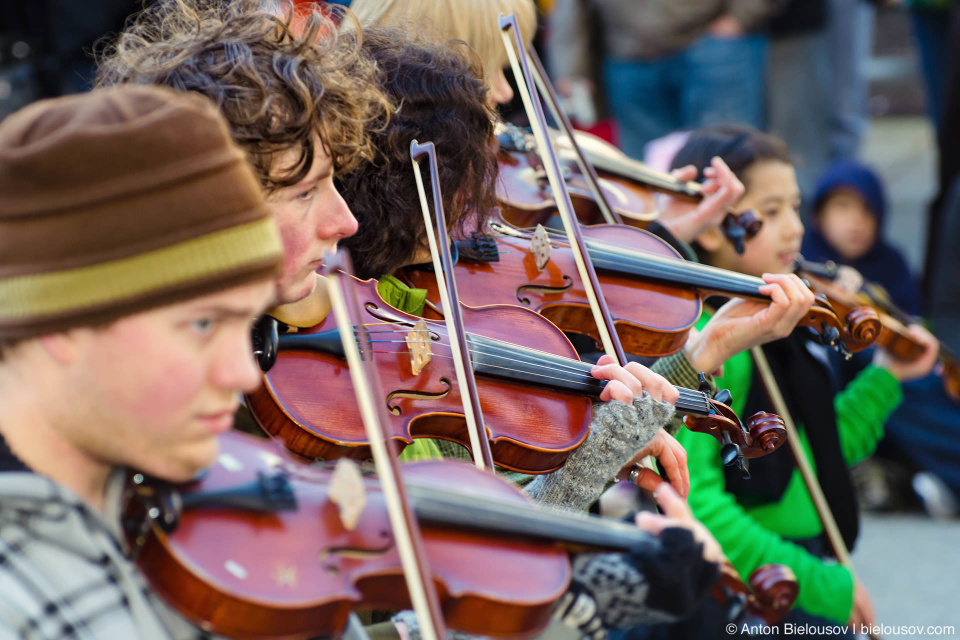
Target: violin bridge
[[540, 247], [348, 492], [418, 342]]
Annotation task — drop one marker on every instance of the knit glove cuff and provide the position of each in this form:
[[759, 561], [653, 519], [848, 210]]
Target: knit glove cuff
[[618, 431]]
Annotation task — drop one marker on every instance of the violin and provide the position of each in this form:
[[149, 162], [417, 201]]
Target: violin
[[655, 296], [536, 398], [893, 335], [262, 546], [527, 199], [627, 185], [265, 547], [738, 227]]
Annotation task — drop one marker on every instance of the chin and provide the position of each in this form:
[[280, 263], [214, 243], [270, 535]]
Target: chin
[[297, 292], [186, 464]]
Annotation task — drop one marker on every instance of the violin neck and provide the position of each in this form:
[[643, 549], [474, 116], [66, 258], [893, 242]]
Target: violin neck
[[477, 513], [650, 266], [498, 359]]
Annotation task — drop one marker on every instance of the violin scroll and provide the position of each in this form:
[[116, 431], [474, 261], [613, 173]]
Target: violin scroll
[[765, 432], [775, 589], [863, 326], [770, 594]]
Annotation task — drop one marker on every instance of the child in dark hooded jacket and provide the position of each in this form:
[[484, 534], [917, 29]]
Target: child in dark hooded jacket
[[849, 207]]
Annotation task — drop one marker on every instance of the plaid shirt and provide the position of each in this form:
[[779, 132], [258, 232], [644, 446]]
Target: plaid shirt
[[64, 574]]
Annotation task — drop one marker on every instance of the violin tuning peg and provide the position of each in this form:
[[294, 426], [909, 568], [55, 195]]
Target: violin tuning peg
[[730, 454], [702, 385], [738, 245], [829, 336], [723, 396], [744, 465], [265, 342]]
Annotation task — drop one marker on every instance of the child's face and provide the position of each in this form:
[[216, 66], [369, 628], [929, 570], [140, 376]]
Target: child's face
[[847, 224], [773, 193]]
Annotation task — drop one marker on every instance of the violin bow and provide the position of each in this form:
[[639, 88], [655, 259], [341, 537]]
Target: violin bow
[[840, 550], [737, 227], [586, 168], [367, 386], [516, 52], [450, 302], [598, 305]]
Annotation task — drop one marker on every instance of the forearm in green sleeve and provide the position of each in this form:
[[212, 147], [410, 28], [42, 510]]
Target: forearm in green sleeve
[[862, 409], [825, 589]]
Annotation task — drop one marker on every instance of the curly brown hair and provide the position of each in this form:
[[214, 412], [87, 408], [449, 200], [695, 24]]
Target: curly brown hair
[[440, 98], [280, 79]]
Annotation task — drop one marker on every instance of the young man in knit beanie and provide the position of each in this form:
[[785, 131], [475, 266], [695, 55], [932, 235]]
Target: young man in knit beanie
[[136, 250]]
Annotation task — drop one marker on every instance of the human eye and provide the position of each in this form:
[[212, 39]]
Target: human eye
[[306, 194], [203, 327]]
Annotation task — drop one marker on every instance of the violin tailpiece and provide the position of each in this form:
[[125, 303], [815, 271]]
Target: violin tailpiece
[[540, 247], [418, 342]]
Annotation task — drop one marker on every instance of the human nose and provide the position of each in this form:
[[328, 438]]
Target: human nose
[[794, 225], [340, 222], [236, 368]]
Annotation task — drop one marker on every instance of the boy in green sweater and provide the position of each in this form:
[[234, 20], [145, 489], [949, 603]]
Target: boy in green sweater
[[771, 517]]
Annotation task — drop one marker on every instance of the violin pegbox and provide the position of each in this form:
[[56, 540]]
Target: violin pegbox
[[540, 247], [418, 343]]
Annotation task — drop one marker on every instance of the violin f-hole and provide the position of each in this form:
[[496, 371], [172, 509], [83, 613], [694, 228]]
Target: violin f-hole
[[415, 394], [539, 288]]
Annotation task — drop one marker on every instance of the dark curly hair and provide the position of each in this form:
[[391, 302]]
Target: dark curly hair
[[739, 146], [441, 98], [280, 79]]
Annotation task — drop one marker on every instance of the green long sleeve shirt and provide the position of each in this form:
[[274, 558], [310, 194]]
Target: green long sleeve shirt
[[755, 536]]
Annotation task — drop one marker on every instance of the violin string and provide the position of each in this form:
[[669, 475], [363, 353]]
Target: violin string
[[561, 364], [686, 402], [598, 248], [576, 373]]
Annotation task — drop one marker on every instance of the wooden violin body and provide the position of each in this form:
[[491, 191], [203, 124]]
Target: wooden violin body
[[290, 562], [536, 398], [306, 399], [297, 573], [654, 295], [526, 198]]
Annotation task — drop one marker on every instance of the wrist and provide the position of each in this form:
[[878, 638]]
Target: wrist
[[701, 353]]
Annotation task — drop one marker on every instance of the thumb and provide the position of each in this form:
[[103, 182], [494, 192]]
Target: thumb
[[651, 522], [671, 504]]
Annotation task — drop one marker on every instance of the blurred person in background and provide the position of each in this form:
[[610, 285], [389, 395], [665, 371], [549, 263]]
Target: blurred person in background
[[666, 65]]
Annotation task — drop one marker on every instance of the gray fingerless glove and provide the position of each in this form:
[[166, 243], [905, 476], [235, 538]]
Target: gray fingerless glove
[[617, 433]]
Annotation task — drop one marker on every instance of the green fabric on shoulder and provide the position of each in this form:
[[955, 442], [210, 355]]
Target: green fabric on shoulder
[[409, 300], [400, 296]]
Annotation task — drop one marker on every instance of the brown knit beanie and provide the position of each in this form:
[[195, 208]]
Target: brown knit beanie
[[120, 200]]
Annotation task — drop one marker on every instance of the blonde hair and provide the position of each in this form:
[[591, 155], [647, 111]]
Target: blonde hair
[[473, 21]]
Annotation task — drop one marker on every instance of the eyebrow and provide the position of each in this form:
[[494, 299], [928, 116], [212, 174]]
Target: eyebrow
[[222, 311]]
